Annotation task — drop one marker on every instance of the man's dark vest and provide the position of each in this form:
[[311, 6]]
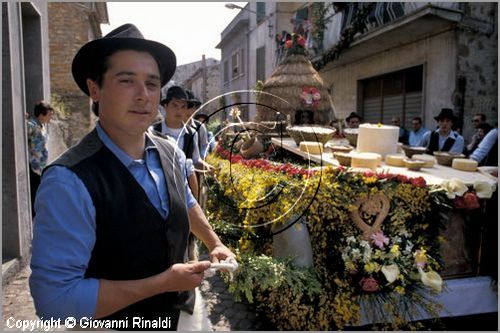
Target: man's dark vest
[[188, 147], [434, 143], [133, 241]]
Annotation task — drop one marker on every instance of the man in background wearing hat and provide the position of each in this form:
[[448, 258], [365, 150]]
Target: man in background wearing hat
[[176, 103], [443, 138], [113, 213], [353, 120]]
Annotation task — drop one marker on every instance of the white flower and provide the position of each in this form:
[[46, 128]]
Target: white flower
[[454, 187], [483, 189], [351, 239], [365, 244], [356, 254], [235, 112], [390, 272], [431, 279]]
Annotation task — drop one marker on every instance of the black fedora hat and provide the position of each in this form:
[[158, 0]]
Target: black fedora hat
[[176, 92], [446, 114], [193, 99], [89, 59], [353, 115]]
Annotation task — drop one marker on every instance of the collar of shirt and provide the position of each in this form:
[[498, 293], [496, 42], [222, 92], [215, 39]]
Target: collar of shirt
[[451, 134], [119, 153]]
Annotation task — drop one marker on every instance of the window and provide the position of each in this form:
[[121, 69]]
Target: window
[[261, 11], [261, 63], [235, 65], [242, 61], [394, 94], [226, 72]]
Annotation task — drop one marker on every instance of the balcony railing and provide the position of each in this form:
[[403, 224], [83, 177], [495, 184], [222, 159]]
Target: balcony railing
[[381, 13]]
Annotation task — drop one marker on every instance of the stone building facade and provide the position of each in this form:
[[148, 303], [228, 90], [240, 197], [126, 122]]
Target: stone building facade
[[70, 26], [477, 65], [430, 56], [204, 83], [25, 80], [39, 40]]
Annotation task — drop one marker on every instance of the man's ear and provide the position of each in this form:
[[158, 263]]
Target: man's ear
[[93, 90]]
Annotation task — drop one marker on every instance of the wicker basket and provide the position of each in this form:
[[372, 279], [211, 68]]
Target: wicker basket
[[445, 158], [351, 135], [311, 133], [343, 158], [410, 151]]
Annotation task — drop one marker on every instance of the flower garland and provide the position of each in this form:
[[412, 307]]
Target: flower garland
[[358, 25], [394, 271], [295, 44], [310, 97]]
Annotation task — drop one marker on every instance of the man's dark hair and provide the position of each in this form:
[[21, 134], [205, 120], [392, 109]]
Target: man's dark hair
[[482, 115], [97, 73], [42, 108], [485, 127], [418, 119]]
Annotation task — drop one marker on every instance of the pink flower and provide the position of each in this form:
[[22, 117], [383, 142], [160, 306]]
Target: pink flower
[[379, 239], [471, 200], [369, 284]]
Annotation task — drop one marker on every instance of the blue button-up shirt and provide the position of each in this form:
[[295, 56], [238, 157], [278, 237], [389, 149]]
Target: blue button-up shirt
[[485, 145], [416, 137], [457, 147], [64, 232]]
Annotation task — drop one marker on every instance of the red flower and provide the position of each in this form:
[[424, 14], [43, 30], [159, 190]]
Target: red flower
[[301, 41], [368, 174], [418, 182], [369, 284], [471, 200], [288, 44]]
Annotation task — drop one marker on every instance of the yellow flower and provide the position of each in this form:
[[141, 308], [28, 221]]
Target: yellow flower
[[420, 257], [395, 250], [372, 267], [400, 290]]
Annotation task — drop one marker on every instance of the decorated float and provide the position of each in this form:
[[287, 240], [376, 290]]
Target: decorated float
[[330, 235]]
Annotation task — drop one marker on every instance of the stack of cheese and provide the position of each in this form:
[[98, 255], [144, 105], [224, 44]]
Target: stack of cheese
[[428, 159], [380, 139], [464, 164], [365, 160], [311, 147], [395, 160]]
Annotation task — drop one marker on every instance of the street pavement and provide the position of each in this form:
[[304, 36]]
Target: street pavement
[[224, 313]]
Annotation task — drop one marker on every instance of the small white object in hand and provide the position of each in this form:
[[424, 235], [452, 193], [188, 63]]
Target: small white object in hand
[[230, 264]]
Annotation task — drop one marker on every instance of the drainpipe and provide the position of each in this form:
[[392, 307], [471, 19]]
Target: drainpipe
[[204, 78]]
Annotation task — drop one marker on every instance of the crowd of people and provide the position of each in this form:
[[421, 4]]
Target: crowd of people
[[482, 147]]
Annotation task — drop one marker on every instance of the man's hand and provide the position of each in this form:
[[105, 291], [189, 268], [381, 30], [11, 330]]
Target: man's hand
[[182, 277], [220, 252]]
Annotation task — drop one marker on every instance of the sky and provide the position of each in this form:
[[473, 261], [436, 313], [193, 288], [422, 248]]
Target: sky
[[190, 29]]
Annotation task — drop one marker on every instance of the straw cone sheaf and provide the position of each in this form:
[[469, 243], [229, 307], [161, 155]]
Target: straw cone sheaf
[[289, 79]]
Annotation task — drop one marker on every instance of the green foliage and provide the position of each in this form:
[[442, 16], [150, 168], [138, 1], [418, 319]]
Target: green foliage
[[266, 274]]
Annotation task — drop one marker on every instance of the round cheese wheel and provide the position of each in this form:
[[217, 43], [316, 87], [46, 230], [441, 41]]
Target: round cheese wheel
[[428, 159], [395, 160], [380, 139], [464, 164], [311, 147], [365, 160]]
